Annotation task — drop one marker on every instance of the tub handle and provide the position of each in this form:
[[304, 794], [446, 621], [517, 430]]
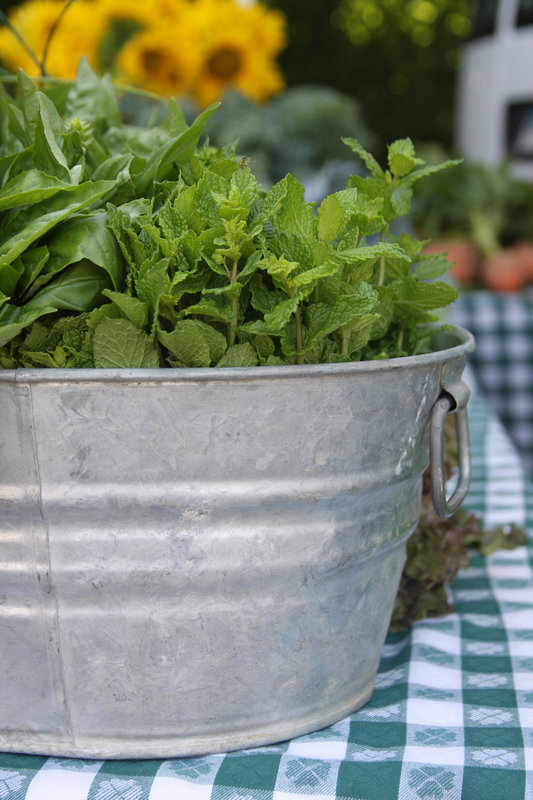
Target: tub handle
[[447, 507]]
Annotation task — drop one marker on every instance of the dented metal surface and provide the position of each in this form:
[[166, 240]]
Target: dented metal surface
[[202, 560]]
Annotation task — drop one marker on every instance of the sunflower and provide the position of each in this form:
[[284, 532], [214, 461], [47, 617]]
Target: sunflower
[[72, 38], [237, 46], [33, 21], [153, 59]]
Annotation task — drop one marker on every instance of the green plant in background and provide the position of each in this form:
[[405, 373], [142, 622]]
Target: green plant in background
[[484, 217], [297, 132], [397, 58]]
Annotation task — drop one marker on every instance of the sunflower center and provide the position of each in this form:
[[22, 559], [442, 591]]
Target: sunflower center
[[224, 63], [152, 60]]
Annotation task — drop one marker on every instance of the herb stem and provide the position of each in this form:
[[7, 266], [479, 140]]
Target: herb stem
[[381, 275], [234, 307], [299, 336], [345, 341], [399, 340]]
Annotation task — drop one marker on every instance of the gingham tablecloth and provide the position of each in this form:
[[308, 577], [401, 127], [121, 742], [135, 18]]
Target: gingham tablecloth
[[451, 717], [503, 359]]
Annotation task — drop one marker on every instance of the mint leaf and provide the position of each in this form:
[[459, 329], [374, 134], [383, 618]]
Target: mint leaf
[[402, 158], [368, 160], [295, 216], [281, 314], [412, 296], [119, 343], [132, 308], [192, 344], [239, 355], [334, 212]]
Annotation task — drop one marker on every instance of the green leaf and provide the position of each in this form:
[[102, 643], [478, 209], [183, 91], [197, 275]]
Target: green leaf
[[76, 288], [209, 308], [295, 216], [48, 156], [152, 283], [115, 168], [32, 262], [132, 308], [417, 174], [29, 105], [206, 205], [312, 276], [239, 355], [334, 212], [29, 187], [372, 252], [412, 296], [279, 268], [273, 199], [86, 237], [281, 314], [402, 158], [13, 320], [188, 343], [46, 215], [353, 311], [159, 165], [431, 266], [9, 277], [401, 200], [119, 343], [178, 123], [369, 160], [92, 99]]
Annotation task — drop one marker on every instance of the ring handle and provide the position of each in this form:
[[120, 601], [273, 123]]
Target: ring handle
[[439, 412]]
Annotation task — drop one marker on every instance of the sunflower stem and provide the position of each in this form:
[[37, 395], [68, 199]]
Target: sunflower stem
[[23, 42], [52, 31]]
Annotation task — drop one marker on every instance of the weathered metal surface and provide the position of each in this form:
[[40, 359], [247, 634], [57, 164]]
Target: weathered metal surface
[[201, 560]]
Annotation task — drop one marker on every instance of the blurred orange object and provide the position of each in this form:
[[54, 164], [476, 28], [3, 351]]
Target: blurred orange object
[[505, 271], [462, 254]]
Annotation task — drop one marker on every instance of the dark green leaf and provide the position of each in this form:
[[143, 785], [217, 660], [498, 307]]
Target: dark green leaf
[[46, 215], [29, 187], [13, 320], [76, 288]]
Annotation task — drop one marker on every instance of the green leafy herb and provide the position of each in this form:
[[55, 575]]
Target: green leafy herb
[[180, 255]]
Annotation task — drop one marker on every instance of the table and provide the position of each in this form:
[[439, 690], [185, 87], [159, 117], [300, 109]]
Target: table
[[451, 717], [502, 325]]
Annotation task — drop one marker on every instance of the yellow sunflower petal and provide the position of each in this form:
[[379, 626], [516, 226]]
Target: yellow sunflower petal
[[152, 59], [237, 46]]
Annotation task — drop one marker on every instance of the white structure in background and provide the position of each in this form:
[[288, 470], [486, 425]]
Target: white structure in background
[[495, 92]]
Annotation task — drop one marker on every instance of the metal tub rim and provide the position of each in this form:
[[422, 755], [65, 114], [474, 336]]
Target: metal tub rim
[[448, 350]]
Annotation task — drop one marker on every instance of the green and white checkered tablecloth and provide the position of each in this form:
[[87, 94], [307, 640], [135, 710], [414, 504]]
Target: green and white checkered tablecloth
[[503, 359], [451, 717]]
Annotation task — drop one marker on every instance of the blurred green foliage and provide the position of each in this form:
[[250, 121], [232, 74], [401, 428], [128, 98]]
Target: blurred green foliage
[[397, 57]]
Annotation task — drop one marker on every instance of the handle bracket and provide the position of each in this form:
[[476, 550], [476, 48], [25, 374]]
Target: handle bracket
[[445, 404]]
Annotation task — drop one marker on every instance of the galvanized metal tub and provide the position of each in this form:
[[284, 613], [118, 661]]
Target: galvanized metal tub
[[200, 560]]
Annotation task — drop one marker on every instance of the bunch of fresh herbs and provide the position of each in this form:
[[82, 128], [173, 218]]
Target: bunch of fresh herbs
[[138, 247]]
